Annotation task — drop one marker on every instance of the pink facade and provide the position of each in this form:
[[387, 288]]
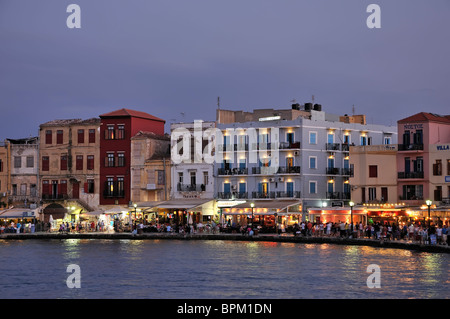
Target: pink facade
[[417, 134]]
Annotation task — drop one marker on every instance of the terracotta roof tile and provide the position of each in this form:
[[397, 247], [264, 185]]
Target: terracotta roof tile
[[426, 117], [131, 113]]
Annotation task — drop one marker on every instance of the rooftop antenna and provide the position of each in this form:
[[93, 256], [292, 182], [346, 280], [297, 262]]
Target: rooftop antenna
[[313, 99], [353, 109], [218, 102]]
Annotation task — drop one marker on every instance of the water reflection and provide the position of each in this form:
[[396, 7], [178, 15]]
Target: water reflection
[[217, 269]]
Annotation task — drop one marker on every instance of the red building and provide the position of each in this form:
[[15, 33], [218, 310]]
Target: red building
[[116, 130]]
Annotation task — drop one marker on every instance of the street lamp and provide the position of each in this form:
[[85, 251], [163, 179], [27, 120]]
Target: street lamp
[[252, 205], [135, 206], [429, 202], [351, 213]]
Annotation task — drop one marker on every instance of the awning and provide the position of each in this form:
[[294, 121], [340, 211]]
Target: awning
[[183, 203], [146, 207], [94, 213], [269, 204], [116, 210], [19, 213]]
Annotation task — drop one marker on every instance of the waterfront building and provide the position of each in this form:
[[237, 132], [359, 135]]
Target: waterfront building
[[4, 174], [307, 162], [69, 166], [374, 174], [192, 178], [150, 172], [423, 159], [24, 172], [116, 130]]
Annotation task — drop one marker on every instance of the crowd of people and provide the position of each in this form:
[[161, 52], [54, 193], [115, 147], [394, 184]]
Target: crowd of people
[[414, 232], [379, 231]]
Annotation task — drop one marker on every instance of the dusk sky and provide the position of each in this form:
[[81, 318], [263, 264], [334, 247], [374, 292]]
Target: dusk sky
[[173, 58]]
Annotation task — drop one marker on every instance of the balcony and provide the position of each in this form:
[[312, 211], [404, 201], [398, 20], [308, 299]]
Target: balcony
[[347, 172], [289, 145], [345, 147], [333, 195], [292, 194], [262, 195], [55, 196], [191, 188], [222, 195], [289, 170], [410, 147], [345, 195], [332, 146], [409, 175], [332, 171], [232, 171]]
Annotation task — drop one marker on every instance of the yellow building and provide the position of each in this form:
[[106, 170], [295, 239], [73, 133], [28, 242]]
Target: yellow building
[[4, 175], [374, 177], [69, 164]]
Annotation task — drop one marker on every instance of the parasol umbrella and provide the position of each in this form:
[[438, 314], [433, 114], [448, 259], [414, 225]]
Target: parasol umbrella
[[190, 219]]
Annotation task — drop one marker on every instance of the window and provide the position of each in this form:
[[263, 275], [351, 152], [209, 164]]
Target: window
[[109, 191], [63, 162], [48, 137], [59, 137], [80, 136], [79, 162], [121, 159], [110, 133], [312, 162], [437, 168], [372, 193], [205, 178], [448, 167], [45, 187], [373, 171], [312, 187], [180, 177], [45, 163], [17, 161], [14, 189], [30, 161], [312, 137], [121, 132], [161, 177], [91, 135], [193, 178], [1, 165], [347, 138], [90, 162], [89, 186], [109, 160], [120, 187], [363, 140], [63, 187], [387, 140], [330, 138]]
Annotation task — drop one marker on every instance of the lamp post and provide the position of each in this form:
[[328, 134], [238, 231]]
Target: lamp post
[[252, 205], [135, 206], [351, 214], [429, 202]]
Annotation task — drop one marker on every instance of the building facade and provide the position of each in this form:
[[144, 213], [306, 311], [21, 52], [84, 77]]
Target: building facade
[[116, 130], [312, 162], [69, 163], [422, 158]]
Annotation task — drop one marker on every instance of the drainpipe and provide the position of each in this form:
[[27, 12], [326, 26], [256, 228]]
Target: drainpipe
[[8, 187]]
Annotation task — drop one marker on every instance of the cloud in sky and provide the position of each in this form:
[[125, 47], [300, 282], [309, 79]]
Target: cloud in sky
[[168, 57]]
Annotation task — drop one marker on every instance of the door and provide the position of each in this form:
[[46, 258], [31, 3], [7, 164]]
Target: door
[[384, 194], [76, 190], [290, 189]]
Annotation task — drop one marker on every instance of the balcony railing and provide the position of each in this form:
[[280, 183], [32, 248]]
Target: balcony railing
[[347, 171], [406, 175], [345, 147], [55, 196], [332, 146], [230, 195], [263, 194], [293, 194], [288, 170], [289, 145], [333, 195], [332, 171], [191, 188], [232, 171], [410, 147]]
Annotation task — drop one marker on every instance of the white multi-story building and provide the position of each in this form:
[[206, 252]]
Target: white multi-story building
[[307, 158]]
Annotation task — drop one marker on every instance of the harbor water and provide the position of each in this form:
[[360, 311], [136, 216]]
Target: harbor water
[[162, 269]]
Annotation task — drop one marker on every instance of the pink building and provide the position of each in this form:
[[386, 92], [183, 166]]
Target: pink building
[[422, 173]]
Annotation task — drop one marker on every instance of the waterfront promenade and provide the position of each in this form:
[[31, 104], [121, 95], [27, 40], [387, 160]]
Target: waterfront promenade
[[285, 238]]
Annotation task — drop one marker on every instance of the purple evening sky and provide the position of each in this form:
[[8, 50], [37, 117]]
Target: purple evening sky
[[173, 58]]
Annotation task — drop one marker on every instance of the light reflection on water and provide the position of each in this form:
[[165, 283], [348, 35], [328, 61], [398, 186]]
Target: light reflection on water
[[216, 269]]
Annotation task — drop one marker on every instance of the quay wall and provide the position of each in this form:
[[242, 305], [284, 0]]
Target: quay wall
[[234, 237]]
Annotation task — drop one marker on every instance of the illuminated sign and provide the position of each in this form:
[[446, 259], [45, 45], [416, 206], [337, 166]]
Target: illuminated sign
[[270, 118]]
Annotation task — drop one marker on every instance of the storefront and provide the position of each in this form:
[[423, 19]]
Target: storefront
[[338, 215], [185, 211], [27, 218]]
